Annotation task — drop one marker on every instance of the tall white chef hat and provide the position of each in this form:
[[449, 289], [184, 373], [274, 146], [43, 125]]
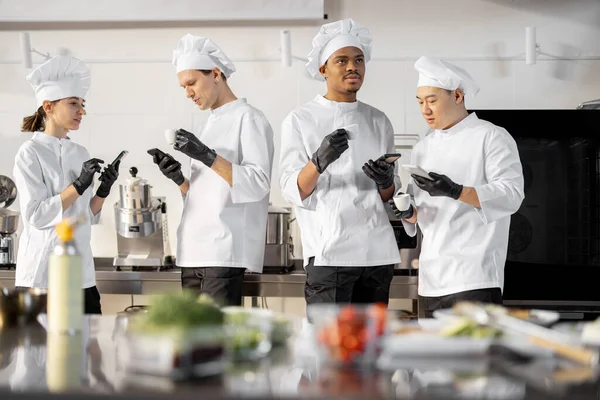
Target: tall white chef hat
[[437, 73], [196, 52], [59, 78], [334, 36]]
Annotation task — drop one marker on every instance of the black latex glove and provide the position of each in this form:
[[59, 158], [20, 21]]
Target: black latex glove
[[331, 148], [85, 179], [108, 177], [407, 214], [381, 172], [190, 145], [170, 167], [441, 185]]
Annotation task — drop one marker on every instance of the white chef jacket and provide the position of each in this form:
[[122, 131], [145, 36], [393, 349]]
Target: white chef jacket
[[44, 167], [344, 221], [222, 225], [464, 248]]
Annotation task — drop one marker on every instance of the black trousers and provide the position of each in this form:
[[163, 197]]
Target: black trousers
[[221, 283], [91, 300], [429, 304], [347, 284]]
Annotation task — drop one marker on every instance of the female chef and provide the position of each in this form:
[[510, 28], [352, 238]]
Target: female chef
[[54, 176]]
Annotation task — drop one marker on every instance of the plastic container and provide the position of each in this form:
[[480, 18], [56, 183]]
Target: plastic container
[[178, 354], [248, 332], [349, 335]]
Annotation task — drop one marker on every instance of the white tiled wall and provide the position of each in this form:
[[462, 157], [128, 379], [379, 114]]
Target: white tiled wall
[[132, 101]]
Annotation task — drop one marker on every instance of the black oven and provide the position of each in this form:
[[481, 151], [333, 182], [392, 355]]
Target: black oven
[[554, 244]]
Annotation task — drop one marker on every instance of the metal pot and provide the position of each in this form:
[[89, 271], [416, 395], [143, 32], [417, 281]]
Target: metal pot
[[9, 221], [123, 317], [278, 225], [21, 306], [132, 223], [136, 193]]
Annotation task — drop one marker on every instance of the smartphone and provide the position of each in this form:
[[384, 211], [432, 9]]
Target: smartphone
[[120, 157], [158, 153], [390, 158], [418, 171]]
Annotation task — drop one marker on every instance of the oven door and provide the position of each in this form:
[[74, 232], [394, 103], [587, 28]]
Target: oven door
[[553, 259]]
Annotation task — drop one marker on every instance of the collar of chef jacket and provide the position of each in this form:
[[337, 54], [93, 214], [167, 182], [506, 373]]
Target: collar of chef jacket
[[225, 108], [344, 106], [466, 121], [49, 141]]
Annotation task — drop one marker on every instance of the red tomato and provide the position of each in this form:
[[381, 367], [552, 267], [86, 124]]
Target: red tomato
[[334, 337], [345, 328], [347, 313], [350, 343]]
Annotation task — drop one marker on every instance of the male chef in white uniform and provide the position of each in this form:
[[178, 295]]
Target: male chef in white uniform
[[464, 210], [328, 174], [223, 226]]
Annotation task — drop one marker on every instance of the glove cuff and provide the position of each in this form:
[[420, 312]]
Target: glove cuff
[[387, 184], [179, 179], [79, 187], [209, 158], [408, 214], [456, 192], [315, 160], [103, 191]]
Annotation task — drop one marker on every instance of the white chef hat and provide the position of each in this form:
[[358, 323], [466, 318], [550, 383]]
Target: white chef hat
[[437, 73], [196, 52], [334, 36], [58, 78]]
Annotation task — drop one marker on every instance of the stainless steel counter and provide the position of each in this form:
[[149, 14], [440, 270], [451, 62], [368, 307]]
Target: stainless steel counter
[[36, 365], [110, 281]]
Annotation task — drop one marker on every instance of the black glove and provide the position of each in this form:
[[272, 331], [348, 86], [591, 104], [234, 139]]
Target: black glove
[[381, 172], [85, 179], [108, 177], [191, 146], [332, 147], [441, 185], [407, 214], [170, 167]]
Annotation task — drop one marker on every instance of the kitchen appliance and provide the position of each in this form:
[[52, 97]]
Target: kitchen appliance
[[553, 259], [278, 243], [141, 225], [8, 191], [9, 224]]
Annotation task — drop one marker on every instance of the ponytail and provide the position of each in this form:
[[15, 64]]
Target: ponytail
[[35, 122]]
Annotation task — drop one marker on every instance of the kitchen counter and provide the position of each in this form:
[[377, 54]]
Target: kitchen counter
[[86, 364], [290, 284]]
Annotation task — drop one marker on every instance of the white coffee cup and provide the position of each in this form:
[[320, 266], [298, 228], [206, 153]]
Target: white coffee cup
[[402, 202], [170, 135]]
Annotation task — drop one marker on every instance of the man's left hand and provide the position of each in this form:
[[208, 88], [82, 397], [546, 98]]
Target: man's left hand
[[190, 145], [381, 172], [441, 185]]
